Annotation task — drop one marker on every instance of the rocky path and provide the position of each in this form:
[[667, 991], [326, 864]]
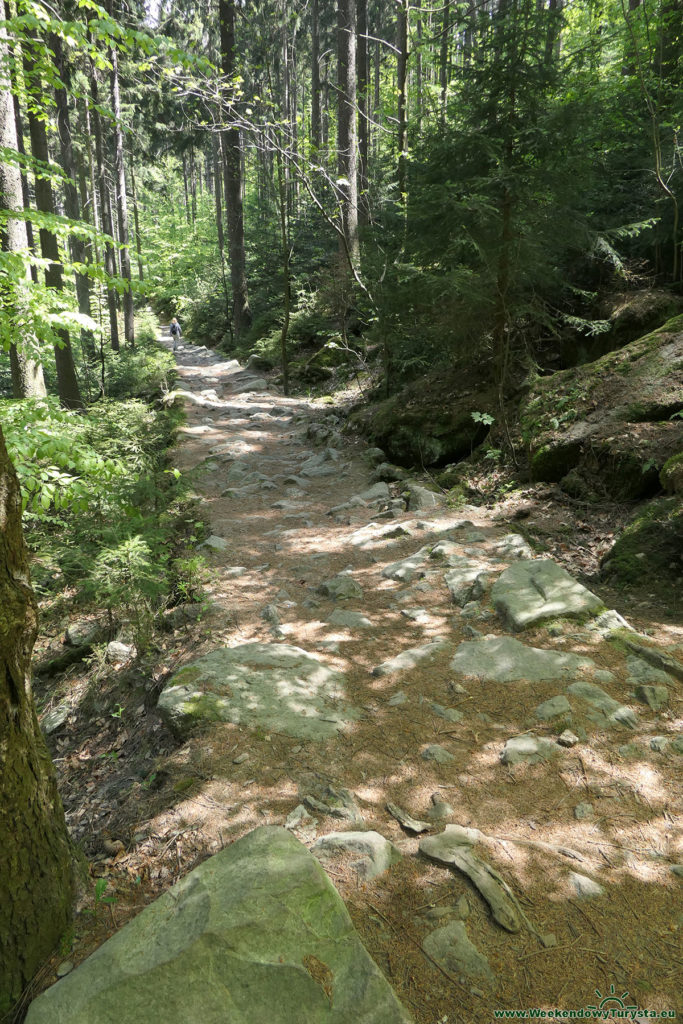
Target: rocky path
[[486, 761]]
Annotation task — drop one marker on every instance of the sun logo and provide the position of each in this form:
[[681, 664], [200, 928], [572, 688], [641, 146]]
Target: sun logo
[[617, 1002]]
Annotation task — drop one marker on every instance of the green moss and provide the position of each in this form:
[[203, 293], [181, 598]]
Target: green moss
[[650, 546], [671, 474], [553, 461]]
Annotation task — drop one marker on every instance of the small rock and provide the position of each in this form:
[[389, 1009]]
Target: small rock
[[118, 652], [677, 869], [552, 708], [462, 908], [439, 809], [397, 699], [215, 543], [298, 817], [411, 658], [567, 738], [341, 588], [659, 744], [271, 615], [548, 940], [241, 758], [339, 803], [406, 820], [55, 719], [452, 949], [584, 887], [377, 853], [529, 748], [677, 745], [654, 696], [448, 714], [435, 752], [583, 810], [66, 967]]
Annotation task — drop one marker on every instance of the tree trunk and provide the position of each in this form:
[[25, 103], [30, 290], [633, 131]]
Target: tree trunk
[[71, 203], [363, 107], [347, 135], [67, 381], [316, 126], [218, 196], [122, 199], [401, 80], [35, 854], [136, 222], [105, 206], [232, 172], [444, 58], [27, 373]]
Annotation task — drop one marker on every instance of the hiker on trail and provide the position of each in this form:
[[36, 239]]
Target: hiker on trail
[[175, 332]]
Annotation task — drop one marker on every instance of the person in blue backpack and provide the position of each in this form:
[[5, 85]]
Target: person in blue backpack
[[175, 332]]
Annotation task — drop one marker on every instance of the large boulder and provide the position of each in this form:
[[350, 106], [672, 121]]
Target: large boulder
[[430, 421], [271, 686], [530, 591], [608, 427], [256, 933]]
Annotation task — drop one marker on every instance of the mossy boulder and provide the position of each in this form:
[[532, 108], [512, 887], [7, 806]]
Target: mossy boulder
[[671, 475], [612, 422], [651, 546], [428, 423]]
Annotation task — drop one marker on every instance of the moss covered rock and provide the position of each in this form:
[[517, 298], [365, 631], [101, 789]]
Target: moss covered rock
[[612, 423], [671, 476], [650, 547], [429, 423]]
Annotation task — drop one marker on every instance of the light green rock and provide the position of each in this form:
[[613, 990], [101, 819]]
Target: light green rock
[[604, 707], [533, 590], [341, 588], [529, 748], [552, 708], [274, 686], [376, 854], [502, 659], [411, 658], [257, 933], [452, 949]]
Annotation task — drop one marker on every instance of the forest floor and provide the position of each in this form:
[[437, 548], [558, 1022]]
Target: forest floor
[[586, 840]]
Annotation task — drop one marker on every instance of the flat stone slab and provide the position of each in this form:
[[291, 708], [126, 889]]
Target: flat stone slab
[[411, 658], [552, 708], [605, 708], [256, 933], [376, 534], [341, 588], [376, 853], [409, 568], [529, 748], [452, 949], [349, 619], [531, 591], [274, 686], [502, 659]]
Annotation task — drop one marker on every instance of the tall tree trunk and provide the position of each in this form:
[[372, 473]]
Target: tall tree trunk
[[67, 381], [363, 105], [36, 878], [27, 373], [444, 58], [71, 204], [401, 80], [316, 126], [105, 206], [218, 196], [419, 100], [122, 199], [232, 172], [136, 222], [347, 135], [186, 189]]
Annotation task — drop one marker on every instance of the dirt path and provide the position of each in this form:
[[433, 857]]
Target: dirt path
[[582, 839]]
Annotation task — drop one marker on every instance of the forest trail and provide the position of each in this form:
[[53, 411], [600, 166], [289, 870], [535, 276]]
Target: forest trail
[[487, 766], [582, 831]]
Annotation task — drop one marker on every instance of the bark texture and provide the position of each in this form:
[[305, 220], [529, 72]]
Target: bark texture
[[232, 173], [35, 854], [27, 374]]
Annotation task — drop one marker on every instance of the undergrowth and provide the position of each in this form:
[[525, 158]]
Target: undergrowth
[[104, 515]]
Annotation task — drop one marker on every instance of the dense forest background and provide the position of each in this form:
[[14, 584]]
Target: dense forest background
[[357, 195]]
